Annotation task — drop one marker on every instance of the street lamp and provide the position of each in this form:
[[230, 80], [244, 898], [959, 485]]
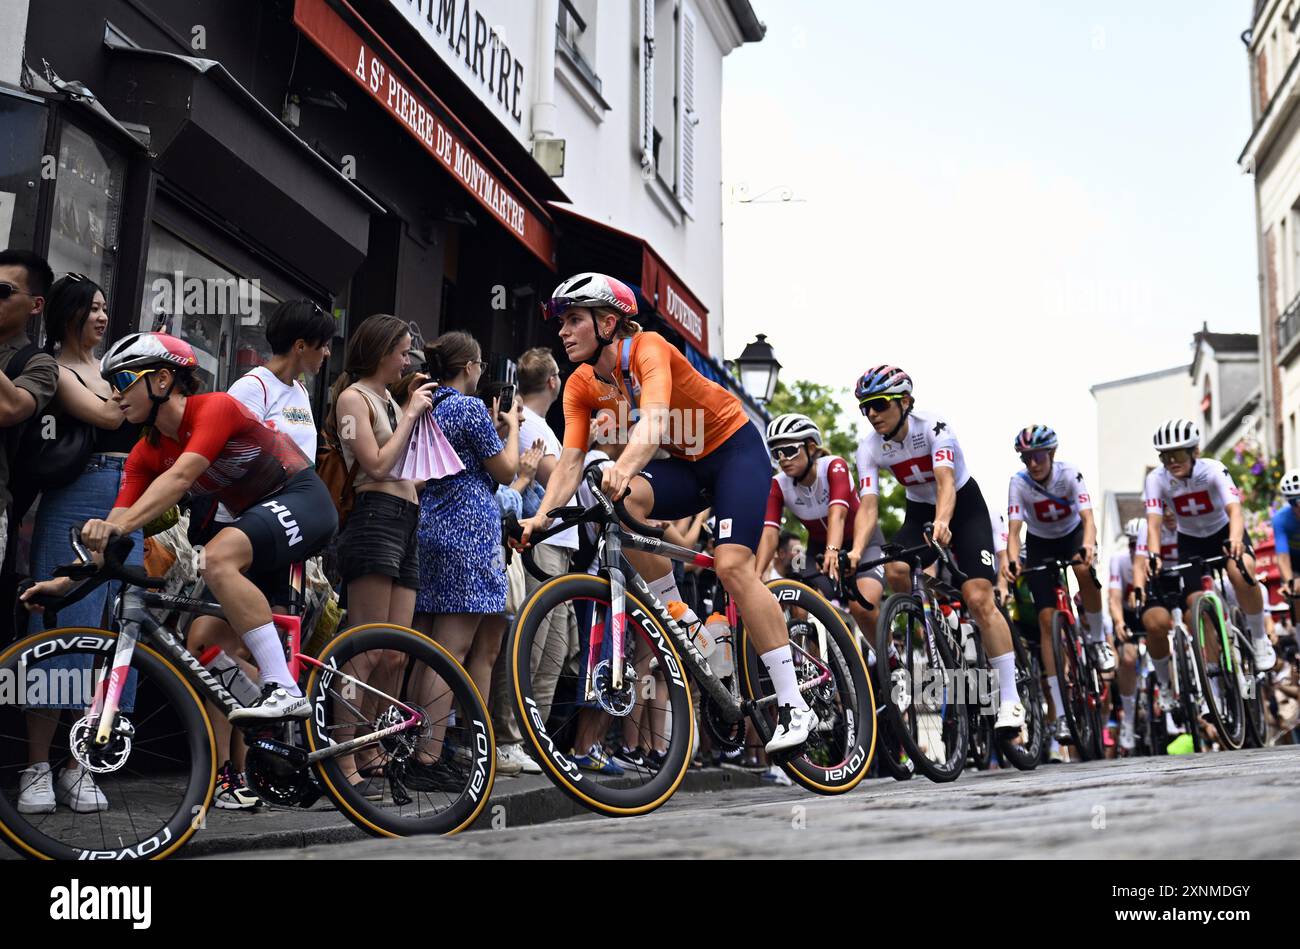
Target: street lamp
[[758, 369]]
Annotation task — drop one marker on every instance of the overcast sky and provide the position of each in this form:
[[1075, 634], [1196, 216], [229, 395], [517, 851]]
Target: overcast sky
[[1012, 201]]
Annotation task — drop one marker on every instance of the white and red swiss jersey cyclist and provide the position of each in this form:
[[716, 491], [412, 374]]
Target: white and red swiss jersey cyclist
[[1168, 543], [930, 443], [812, 505], [1049, 510], [1199, 501]]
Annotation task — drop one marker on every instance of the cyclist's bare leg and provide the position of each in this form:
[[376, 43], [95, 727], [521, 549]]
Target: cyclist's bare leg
[[1126, 674], [1045, 640], [977, 594], [899, 577], [225, 558], [1250, 597], [1088, 591], [1159, 623], [873, 593]]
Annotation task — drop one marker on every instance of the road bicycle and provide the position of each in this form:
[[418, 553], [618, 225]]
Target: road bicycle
[[634, 672], [932, 693], [384, 699], [1225, 671], [1084, 691]]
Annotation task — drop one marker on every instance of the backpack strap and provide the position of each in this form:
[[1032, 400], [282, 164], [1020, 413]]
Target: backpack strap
[[1068, 505], [631, 385]]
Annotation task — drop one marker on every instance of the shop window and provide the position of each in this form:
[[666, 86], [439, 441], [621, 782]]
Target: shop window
[[87, 208], [22, 144], [220, 313]]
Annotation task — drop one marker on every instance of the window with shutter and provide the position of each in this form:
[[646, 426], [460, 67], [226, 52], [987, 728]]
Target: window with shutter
[[687, 119]]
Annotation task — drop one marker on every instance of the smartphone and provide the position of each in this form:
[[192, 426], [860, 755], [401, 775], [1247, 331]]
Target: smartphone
[[507, 398]]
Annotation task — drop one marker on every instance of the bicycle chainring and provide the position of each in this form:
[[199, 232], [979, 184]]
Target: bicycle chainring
[[277, 771]]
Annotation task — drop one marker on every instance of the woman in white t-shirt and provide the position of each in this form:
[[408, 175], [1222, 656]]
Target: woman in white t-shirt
[[299, 333]]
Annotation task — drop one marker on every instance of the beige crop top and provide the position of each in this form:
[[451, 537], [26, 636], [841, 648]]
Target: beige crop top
[[385, 420]]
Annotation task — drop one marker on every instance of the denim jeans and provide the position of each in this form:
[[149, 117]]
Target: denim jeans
[[90, 496]]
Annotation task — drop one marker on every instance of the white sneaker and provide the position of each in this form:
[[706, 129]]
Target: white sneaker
[[1127, 738], [520, 759], [506, 765], [36, 790], [1265, 655], [1105, 656], [274, 705], [775, 775], [78, 791], [1165, 699], [792, 730], [1011, 717]]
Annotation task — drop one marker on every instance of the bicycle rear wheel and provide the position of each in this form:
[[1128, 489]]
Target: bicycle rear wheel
[[1074, 689], [156, 775], [839, 750], [436, 776], [653, 712], [919, 690], [1221, 687], [1254, 696]]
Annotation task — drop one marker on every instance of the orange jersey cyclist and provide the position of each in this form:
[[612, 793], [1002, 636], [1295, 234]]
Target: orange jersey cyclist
[[716, 455]]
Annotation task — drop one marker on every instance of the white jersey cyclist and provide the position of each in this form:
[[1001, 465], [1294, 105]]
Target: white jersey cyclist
[[1168, 544], [1121, 573], [998, 522], [1199, 501], [832, 486], [930, 443], [1049, 510]]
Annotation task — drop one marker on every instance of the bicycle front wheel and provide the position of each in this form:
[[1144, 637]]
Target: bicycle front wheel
[[1188, 693], [920, 690], [833, 677], [1221, 685], [432, 777], [1025, 750], [1071, 674], [143, 795], [652, 713]]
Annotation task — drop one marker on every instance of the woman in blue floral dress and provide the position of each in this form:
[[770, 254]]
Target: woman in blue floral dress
[[462, 577]]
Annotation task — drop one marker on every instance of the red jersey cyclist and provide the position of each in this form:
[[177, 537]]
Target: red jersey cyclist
[[212, 445], [922, 451], [712, 446], [817, 487]]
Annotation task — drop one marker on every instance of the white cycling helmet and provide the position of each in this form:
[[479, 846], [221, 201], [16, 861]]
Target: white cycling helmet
[[1290, 485], [1131, 528], [1176, 433], [792, 427]]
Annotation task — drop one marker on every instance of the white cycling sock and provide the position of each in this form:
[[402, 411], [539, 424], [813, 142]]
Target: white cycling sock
[[1256, 623], [1096, 631], [1005, 667], [1129, 702], [268, 652], [1054, 686], [665, 588], [779, 663], [1162, 669]]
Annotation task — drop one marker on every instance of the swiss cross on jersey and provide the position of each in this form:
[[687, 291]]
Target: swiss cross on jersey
[[914, 471], [1049, 511], [1194, 504]]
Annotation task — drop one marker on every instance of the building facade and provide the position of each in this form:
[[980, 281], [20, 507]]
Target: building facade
[[1272, 156], [447, 161]]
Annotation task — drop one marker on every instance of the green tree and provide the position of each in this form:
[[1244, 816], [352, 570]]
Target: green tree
[[839, 434]]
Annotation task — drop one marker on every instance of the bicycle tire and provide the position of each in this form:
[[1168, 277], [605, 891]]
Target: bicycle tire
[[472, 731], [853, 729], [1227, 710], [198, 773], [613, 798], [1074, 691], [954, 722], [1025, 755], [1254, 698]]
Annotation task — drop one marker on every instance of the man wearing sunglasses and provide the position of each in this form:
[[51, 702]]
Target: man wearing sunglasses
[[1207, 507], [28, 379], [212, 445], [922, 451], [1052, 500]]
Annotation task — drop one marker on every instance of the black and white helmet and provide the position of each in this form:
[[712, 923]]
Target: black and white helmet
[[1290, 485], [792, 427], [1176, 433], [1132, 527]]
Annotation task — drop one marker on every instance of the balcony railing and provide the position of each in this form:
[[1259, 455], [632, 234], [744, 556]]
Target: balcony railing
[[1288, 325]]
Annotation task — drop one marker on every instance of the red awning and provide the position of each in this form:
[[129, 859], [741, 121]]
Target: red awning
[[382, 74], [660, 285]]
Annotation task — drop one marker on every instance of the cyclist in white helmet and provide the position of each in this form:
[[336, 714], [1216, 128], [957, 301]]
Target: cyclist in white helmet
[[817, 487], [1286, 528], [1206, 505]]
